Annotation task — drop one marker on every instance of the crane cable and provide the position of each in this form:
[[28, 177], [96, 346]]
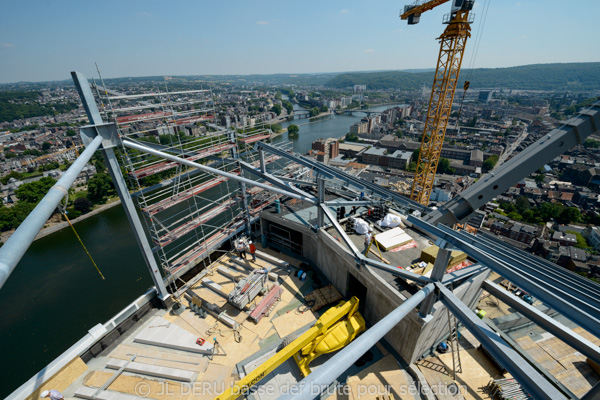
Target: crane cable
[[62, 209]]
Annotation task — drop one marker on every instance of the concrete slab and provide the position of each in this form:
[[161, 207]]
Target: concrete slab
[[152, 370], [165, 334]]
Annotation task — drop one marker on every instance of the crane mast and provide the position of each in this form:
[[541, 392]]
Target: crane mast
[[452, 48]]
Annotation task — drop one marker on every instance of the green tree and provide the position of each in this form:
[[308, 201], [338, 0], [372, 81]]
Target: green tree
[[293, 130], [313, 112], [323, 109], [46, 146], [11, 174], [33, 192], [352, 137], [276, 128], [276, 109], [539, 178], [444, 167], [288, 106], [569, 215], [99, 186], [415, 155], [82, 204], [515, 216], [490, 163], [522, 204], [548, 211], [71, 132]]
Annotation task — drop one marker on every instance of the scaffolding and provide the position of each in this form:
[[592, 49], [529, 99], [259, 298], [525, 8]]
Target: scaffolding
[[189, 213]]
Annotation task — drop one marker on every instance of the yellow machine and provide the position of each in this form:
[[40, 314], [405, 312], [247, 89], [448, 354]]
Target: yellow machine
[[337, 327], [452, 48]]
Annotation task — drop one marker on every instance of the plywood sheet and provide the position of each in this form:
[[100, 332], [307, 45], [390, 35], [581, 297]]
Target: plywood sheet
[[556, 348], [582, 332], [436, 376], [381, 378], [291, 288], [217, 378], [292, 321], [62, 379]]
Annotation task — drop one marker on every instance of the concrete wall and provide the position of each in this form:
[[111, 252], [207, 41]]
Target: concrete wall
[[410, 338]]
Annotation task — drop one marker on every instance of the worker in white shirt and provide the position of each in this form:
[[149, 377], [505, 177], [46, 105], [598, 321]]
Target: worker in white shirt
[[52, 394], [368, 238], [241, 248]]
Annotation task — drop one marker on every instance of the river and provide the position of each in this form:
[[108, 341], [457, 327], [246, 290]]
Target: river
[[55, 295]]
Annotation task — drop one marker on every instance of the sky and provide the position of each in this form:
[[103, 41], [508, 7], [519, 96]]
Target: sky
[[45, 40]]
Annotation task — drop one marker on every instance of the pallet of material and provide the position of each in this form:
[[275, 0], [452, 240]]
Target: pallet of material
[[430, 254], [323, 296], [392, 238]]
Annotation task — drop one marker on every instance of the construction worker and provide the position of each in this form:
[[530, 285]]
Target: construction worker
[[368, 238], [252, 249], [52, 394], [241, 248]]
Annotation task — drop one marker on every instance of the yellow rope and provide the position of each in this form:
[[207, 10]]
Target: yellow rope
[[82, 245]]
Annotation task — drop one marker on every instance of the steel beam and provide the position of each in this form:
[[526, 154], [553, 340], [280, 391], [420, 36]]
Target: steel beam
[[89, 103], [312, 386], [555, 143], [463, 273], [437, 273], [402, 273], [566, 304], [353, 203], [132, 145], [321, 200], [580, 292], [531, 380], [330, 172], [567, 335], [18, 243], [275, 180], [537, 265], [297, 181], [340, 231]]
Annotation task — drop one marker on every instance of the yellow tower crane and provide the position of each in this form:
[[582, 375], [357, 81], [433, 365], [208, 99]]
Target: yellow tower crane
[[452, 48]]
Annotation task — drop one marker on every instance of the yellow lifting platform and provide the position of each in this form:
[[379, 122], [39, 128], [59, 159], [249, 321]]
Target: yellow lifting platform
[[337, 327]]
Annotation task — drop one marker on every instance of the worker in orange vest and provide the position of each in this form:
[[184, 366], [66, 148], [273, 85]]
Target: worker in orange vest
[[252, 249]]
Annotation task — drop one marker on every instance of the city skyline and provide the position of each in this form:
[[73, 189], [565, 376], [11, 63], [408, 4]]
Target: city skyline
[[136, 38]]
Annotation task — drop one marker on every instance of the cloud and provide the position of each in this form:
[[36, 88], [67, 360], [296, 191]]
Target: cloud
[[2, 44], [262, 23], [344, 11], [369, 51]]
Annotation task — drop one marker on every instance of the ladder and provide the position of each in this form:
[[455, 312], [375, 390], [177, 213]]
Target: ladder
[[453, 328]]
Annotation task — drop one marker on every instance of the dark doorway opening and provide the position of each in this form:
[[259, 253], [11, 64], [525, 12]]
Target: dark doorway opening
[[355, 288]]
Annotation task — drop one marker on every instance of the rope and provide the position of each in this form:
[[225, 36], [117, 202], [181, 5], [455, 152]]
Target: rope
[[82, 245], [215, 329]]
